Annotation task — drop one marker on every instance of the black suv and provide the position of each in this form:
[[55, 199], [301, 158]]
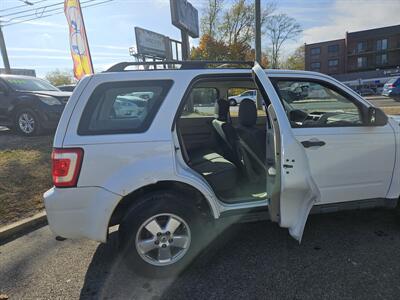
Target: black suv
[[30, 105]]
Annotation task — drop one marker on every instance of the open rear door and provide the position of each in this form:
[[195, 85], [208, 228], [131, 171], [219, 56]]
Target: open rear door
[[293, 192]]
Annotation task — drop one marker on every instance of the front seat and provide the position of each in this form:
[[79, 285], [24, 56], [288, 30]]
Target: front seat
[[252, 141], [226, 133]]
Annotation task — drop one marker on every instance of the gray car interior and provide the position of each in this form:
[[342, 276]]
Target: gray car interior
[[231, 154]]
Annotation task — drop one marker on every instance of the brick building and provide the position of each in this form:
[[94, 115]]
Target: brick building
[[361, 51]]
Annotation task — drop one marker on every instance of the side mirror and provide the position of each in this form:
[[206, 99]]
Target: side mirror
[[376, 117]]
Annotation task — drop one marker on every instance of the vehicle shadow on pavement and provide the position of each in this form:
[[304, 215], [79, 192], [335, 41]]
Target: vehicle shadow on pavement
[[342, 255]]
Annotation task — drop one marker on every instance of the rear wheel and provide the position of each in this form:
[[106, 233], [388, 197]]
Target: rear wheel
[[232, 102], [27, 122], [161, 236]]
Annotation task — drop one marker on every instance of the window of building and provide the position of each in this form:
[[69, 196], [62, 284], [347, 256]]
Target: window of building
[[333, 62], [315, 66], [381, 59], [381, 44], [361, 62], [333, 48], [361, 46], [316, 51]]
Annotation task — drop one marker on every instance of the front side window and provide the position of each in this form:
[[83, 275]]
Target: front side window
[[314, 104], [201, 102], [123, 107]]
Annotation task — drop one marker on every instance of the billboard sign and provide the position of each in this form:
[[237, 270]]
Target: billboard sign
[[151, 43], [185, 17]]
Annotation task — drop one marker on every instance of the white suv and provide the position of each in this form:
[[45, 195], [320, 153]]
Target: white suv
[[168, 170], [235, 100]]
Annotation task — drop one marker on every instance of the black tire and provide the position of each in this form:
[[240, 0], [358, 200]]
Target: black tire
[[153, 204], [232, 102], [27, 114]]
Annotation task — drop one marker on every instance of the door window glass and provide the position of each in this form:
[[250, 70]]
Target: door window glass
[[123, 107], [311, 104], [201, 103]]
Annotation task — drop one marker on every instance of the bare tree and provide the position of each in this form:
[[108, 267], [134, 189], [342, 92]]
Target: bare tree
[[238, 22], [279, 29], [210, 20]]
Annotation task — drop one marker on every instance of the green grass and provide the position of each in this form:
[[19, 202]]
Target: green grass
[[24, 175]]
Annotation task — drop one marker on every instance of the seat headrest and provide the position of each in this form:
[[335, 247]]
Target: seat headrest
[[222, 110], [247, 113]]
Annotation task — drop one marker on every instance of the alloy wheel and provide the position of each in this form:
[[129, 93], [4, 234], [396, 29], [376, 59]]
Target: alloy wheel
[[26, 123], [163, 239]]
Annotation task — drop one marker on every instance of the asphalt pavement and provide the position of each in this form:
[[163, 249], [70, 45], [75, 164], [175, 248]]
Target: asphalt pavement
[[346, 255]]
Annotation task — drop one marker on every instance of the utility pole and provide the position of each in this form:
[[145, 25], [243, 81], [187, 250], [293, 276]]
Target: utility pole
[[3, 49], [258, 45], [258, 31]]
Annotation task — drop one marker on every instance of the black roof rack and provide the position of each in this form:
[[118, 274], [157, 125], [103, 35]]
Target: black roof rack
[[184, 65]]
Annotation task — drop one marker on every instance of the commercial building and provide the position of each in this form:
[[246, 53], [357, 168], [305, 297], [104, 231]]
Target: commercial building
[[372, 54]]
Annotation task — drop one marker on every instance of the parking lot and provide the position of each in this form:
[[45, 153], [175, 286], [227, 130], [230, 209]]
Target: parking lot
[[343, 255], [347, 255]]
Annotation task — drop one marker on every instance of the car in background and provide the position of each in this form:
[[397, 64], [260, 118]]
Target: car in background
[[66, 87], [365, 91], [235, 100], [30, 105], [392, 88]]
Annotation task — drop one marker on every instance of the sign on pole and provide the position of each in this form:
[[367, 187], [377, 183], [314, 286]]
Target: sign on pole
[[152, 43], [185, 17]]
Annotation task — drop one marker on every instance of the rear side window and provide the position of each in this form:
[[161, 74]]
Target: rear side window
[[123, 107]]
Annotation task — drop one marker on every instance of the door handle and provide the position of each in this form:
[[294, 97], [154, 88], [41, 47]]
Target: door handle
[[311, 143]]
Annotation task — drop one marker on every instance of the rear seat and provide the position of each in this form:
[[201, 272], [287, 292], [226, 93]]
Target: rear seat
[[219, 172]]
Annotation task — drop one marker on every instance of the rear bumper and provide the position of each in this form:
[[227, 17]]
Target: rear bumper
[[82, 212]]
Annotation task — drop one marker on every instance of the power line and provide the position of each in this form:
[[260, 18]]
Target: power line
[[32, 9], [53, 14], [40, 11], [19, 6]]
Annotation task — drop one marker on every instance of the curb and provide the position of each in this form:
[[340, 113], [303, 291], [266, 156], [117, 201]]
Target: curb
[[15, 230]]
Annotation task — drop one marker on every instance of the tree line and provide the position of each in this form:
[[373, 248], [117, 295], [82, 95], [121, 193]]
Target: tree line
[[228, 33]]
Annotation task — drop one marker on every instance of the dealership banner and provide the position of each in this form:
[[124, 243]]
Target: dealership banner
[[78, 40]]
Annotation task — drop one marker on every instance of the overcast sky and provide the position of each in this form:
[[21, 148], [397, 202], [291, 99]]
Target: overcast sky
[[44, 46]]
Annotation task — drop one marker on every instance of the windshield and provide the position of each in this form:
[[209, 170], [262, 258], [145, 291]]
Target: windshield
[[392, 80], [30, 84]]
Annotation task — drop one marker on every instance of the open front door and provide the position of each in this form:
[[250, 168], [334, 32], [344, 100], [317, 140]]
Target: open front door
[[293, 191]]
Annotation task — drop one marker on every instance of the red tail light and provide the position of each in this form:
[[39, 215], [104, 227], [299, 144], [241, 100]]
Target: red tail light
[[390, 86], [66, 165]]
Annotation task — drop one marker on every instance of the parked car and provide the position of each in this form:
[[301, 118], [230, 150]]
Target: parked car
[[169, 179], [67, 87], [235, 100], [29, 104], [365, 91], [392, 88]]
